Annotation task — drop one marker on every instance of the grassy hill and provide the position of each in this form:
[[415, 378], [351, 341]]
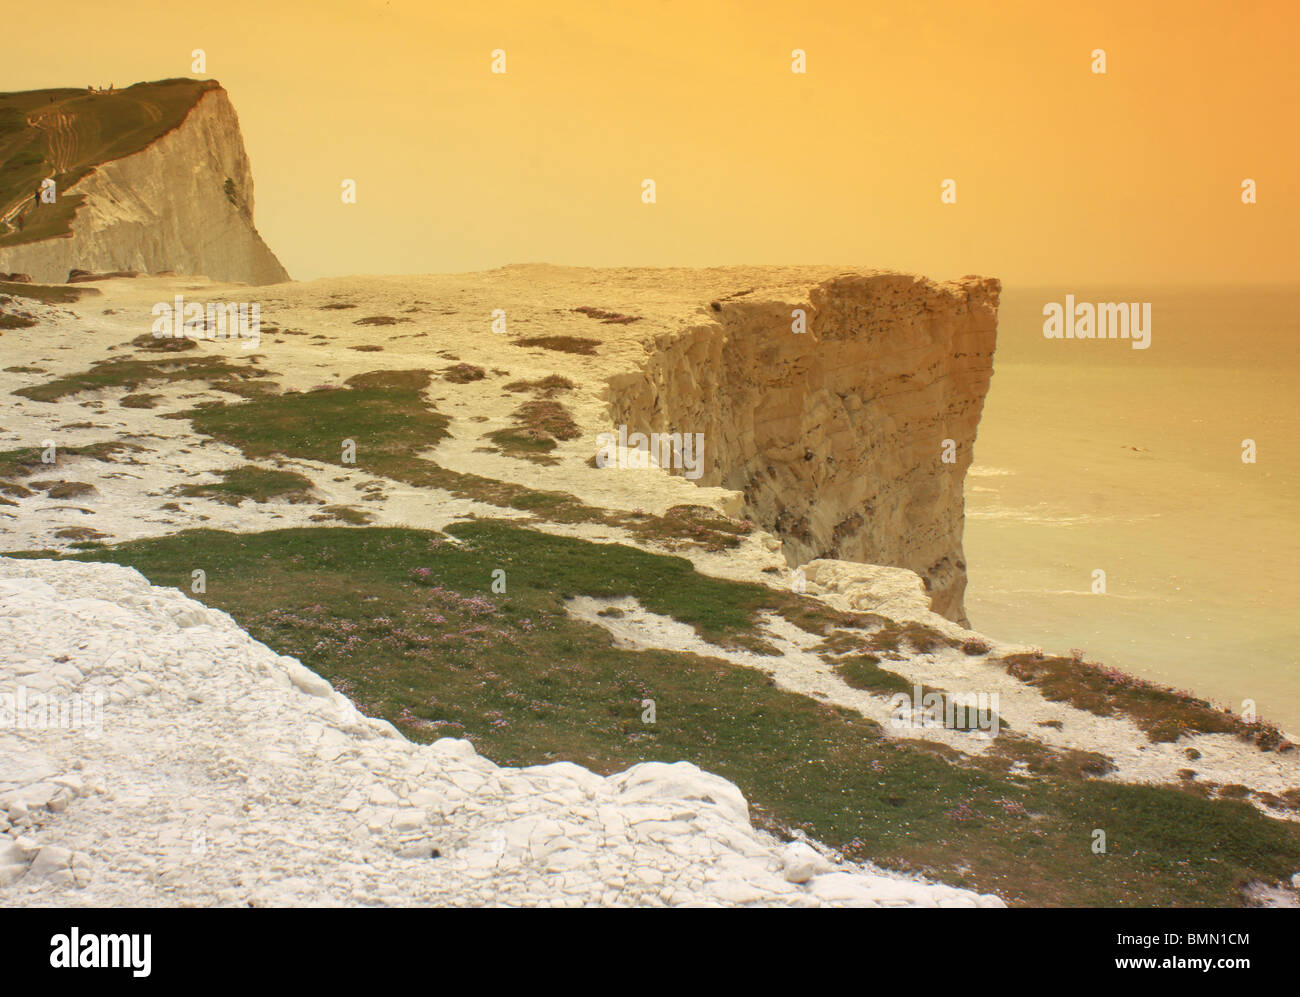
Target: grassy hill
[[65, 133]]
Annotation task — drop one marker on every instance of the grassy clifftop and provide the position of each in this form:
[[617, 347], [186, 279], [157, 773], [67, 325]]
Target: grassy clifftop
[[65, 133]]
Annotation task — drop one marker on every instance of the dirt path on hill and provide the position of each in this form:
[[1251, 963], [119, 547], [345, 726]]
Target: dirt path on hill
[[60, 137], [62, 149]]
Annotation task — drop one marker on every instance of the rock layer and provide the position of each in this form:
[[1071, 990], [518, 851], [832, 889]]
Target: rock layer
[[183, 204], [837, 435]]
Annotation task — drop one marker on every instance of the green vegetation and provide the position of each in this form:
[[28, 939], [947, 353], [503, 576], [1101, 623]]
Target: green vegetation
[[342, 514], [547, 418], [1165, 714], [695, 524], [144, 400], [15, 464], [463, 373], [523, 443], [407, 381], [405, 622], [546, 387], [863, 671], [565, 344], [256, 483], [164, 344], [220, 374], [386, 415], [609, 318], [383, 412], [538, 425], [61, 489], [64, 133], [80, 533]]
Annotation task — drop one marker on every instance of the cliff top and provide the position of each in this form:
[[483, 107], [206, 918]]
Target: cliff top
[[63, 134], [624, 587]]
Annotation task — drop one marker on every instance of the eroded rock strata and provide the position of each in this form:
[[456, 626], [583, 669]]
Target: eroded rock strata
[[836, 436]]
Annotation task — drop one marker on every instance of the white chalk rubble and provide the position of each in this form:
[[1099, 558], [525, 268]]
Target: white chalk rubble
[[191, 765]]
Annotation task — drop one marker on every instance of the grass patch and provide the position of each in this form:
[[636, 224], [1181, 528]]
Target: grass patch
[[564, 344], [256, 483], [523, 443], [81, 533], [343, 514], [382, 412], [27, 461], [406, 624], [463, 373], [609, 318], [863, 671], [164, 344], [1164, 714], [133, 374], [392, 380], [545, 387], [539, 424], [695, 524], [386, 415], [888, 638], [144, 400], [63, 489], [549, 418]]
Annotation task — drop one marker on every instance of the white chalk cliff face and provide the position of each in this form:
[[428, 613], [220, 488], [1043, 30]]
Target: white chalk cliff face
[[184, 203], [850, 440]]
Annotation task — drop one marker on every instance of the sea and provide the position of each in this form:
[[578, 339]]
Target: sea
[[1109, 507]]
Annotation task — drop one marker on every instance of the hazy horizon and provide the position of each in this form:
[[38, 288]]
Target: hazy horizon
[[1062, 174]]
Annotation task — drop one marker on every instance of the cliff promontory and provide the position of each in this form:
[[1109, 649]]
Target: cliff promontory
[[846, 417], [152, 178]]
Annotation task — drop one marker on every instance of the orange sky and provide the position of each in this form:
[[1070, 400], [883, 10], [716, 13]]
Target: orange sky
[[1062, 175]]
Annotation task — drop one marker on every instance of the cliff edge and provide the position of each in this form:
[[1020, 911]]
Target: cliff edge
[[846, 416]]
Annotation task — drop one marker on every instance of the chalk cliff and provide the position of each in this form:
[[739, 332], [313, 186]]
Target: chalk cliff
[[836, 435], [183, 203]]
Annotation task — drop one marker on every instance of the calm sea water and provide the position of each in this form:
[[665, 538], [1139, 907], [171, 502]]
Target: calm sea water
[[1092, 455]]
